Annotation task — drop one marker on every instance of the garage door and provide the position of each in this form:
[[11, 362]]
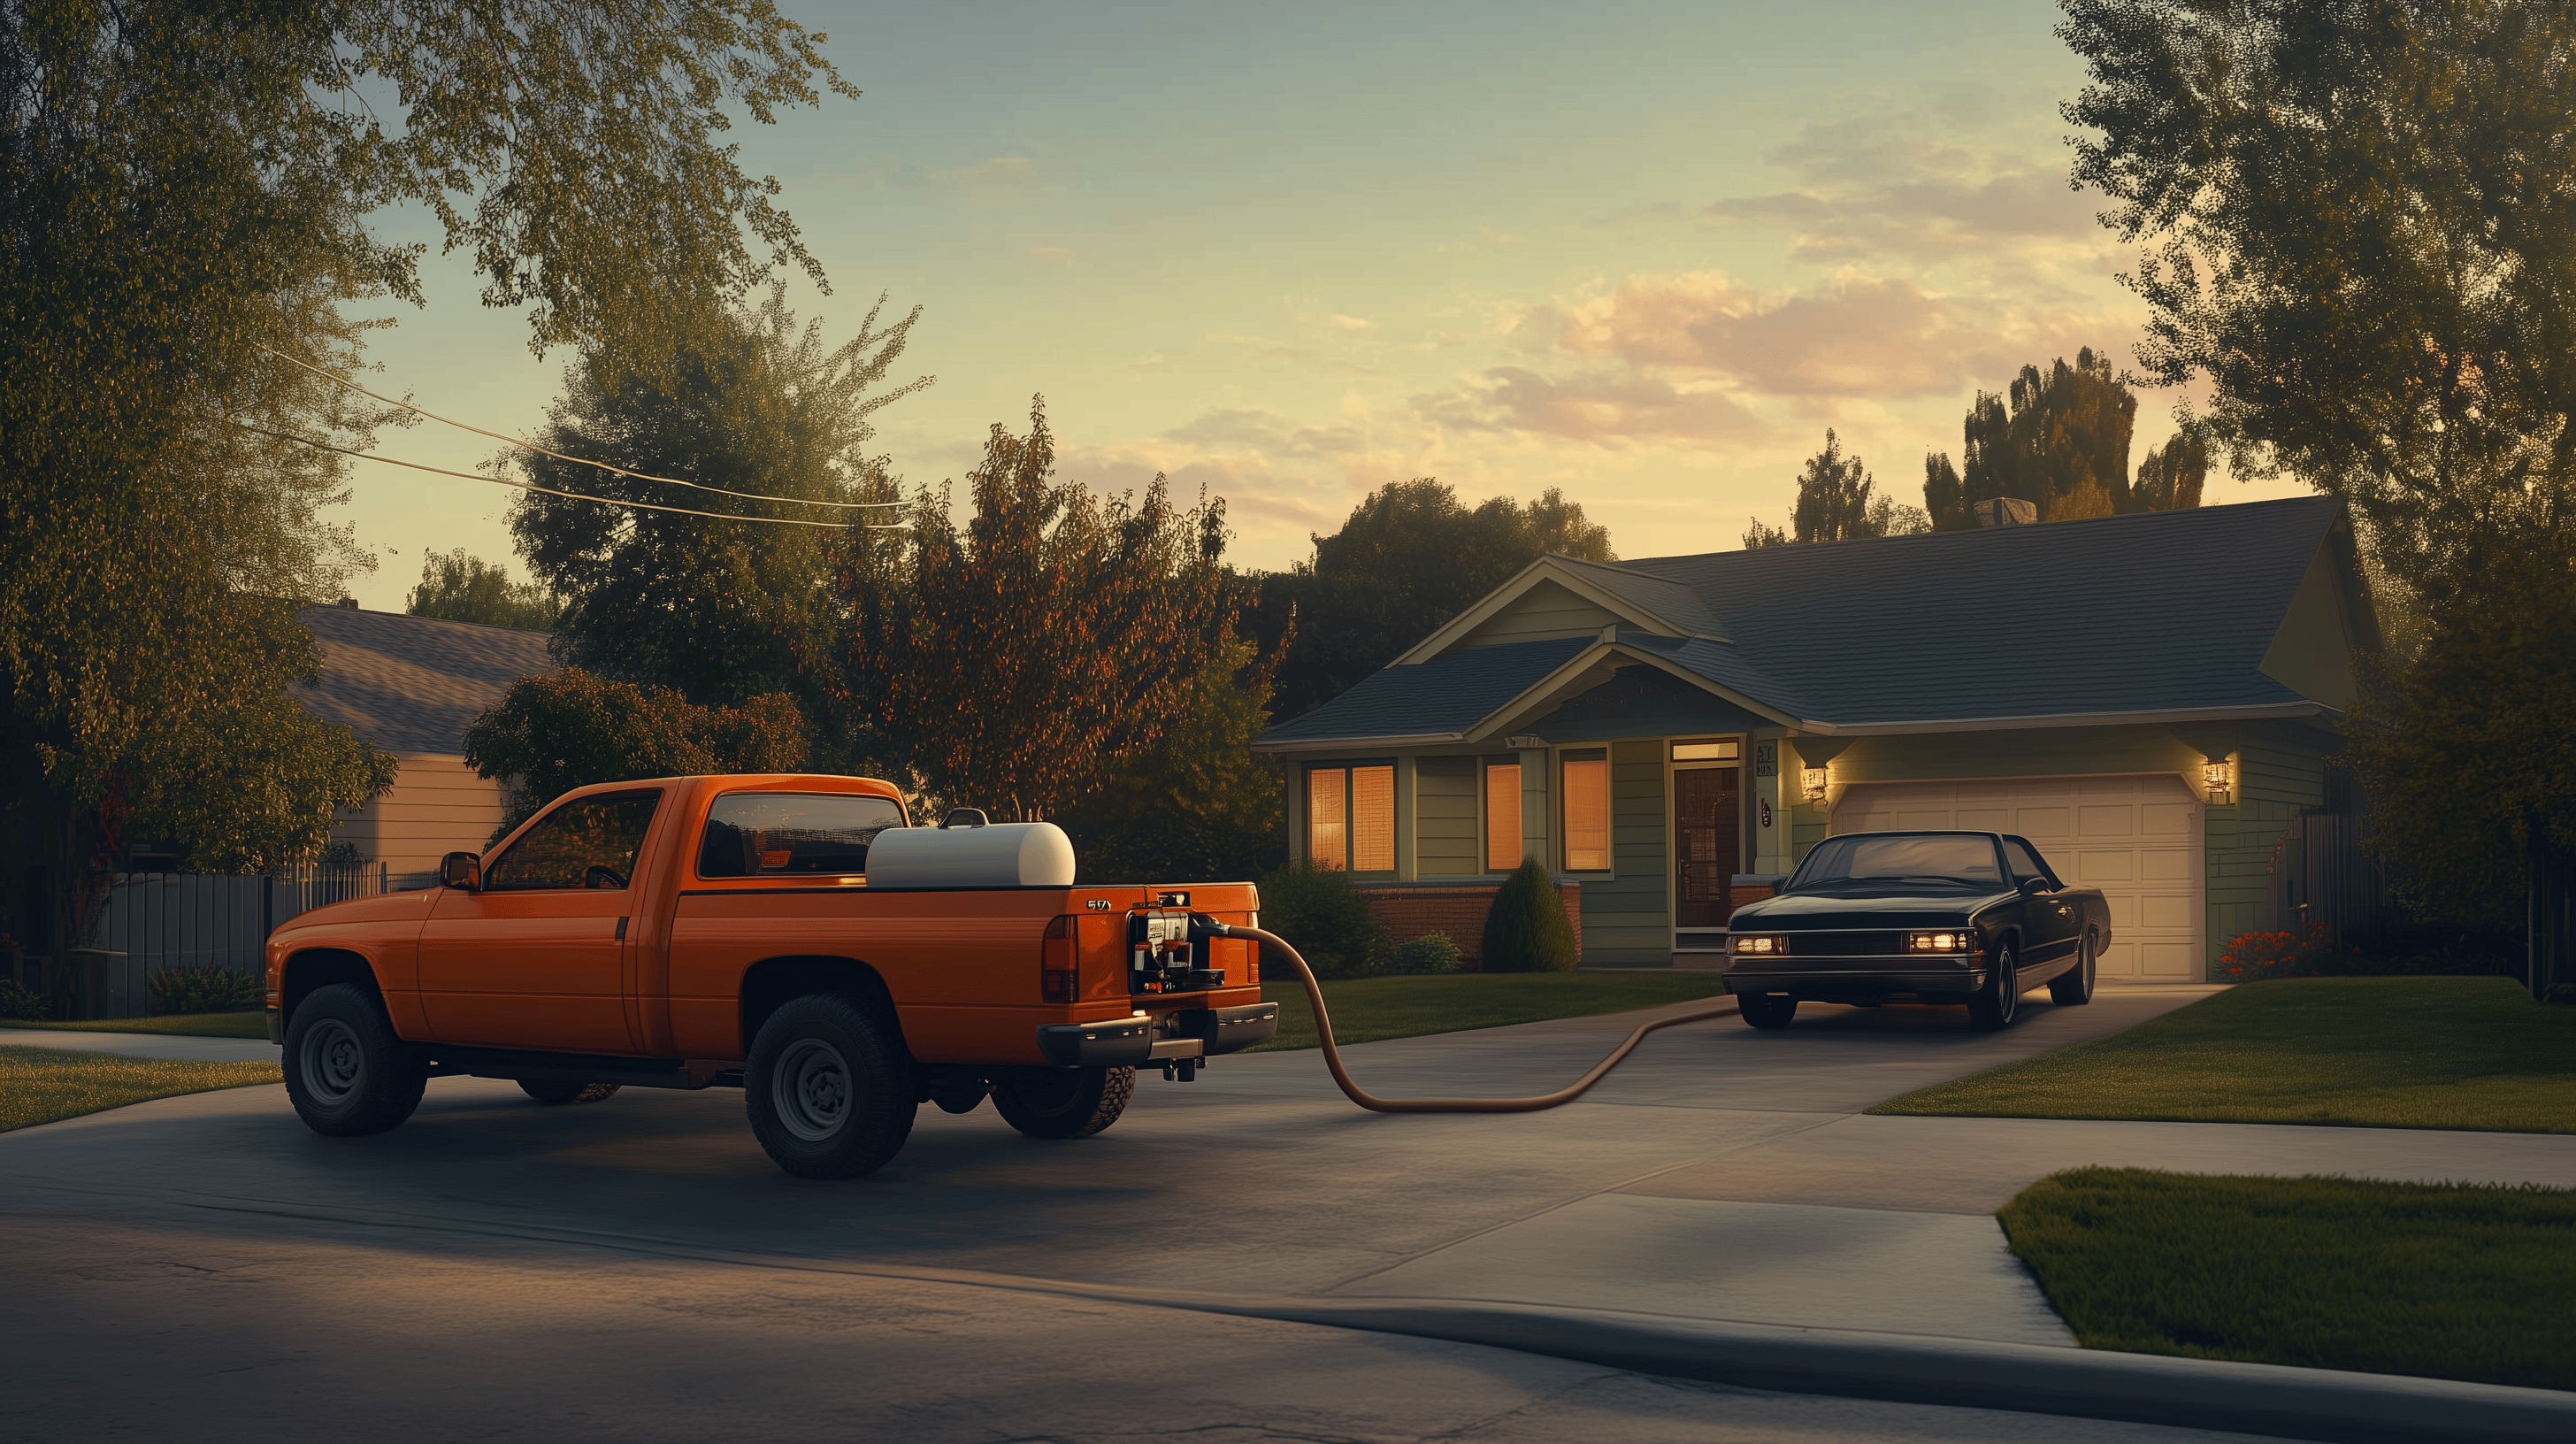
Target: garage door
[[2138, 839]]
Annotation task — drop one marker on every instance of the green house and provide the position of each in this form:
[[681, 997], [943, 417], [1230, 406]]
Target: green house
[[2151, 699]]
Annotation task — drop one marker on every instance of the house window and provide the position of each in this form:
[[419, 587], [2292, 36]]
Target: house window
[[1350, 817], [1502, 816], [1587, 810]]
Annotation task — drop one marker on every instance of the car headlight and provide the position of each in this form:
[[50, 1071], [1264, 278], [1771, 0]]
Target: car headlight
[[1760, 943], [1962, 940]]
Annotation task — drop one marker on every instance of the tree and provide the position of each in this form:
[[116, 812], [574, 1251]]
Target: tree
[[1834, 504], [2063, 445], [2359, 228], [743, 401], [185, 193], [1756, 534], [2464, 751], [549, 735], [1026, 663], [1409, 557], [2169, 478], [458, 588]]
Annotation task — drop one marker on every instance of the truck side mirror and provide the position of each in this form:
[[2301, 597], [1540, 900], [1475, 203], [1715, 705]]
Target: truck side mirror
[[2033, 886], [461, 870]]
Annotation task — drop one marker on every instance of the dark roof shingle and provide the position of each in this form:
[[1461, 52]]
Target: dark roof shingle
[[413, 684]]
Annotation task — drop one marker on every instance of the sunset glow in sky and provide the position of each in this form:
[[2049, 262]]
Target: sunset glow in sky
[[1292, 251]]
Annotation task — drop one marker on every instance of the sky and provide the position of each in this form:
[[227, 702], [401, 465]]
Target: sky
[[1294, 250]]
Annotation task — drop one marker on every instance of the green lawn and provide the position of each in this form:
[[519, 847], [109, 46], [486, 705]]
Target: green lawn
[[39, 1085], [2445, 1281], [191, 1025], [2473, 1053], [1367, 1009]]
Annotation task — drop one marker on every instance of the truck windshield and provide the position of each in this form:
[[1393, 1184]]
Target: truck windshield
[[754, 834], [1900, 862]]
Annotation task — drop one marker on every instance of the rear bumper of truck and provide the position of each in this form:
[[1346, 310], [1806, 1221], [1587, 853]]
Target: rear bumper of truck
[[1188, 1033]]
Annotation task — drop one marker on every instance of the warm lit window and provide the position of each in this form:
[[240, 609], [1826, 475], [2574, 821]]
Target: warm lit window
[[1706, 750], [1326, 835], [1372, 819], [1502, 816], [1350, 818], [1587, 812]]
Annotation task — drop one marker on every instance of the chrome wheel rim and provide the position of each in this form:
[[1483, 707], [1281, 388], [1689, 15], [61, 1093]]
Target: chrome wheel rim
[[331, 1059], [811, 1090]]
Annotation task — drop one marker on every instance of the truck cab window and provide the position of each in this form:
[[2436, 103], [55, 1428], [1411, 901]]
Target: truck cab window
[[761, 834], [587, 843], [2026, 864]]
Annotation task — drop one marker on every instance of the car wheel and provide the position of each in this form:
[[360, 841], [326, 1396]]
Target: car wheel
[[1064, 1102], [2074, 987], [1995, 1003], [828, 1092], [554, 1092], [347, 1071], [1768, 1010]]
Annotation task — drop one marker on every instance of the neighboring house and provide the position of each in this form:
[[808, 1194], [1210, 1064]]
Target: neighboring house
[[2149, 698], [411, 686]]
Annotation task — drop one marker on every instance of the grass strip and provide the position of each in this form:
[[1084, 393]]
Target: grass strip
[[2468, 1053], [186, 1025], [40, 1085], [2444, 1281], [1369, 1009]]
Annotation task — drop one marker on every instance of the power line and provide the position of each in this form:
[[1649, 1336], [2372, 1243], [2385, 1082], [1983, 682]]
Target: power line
[[550, 491], [557, 455]]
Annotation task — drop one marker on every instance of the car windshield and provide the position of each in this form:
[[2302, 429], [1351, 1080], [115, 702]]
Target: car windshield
[[1900, 862]]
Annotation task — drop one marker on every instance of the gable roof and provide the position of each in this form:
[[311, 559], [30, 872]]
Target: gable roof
[[413, 684], [2163, 615]]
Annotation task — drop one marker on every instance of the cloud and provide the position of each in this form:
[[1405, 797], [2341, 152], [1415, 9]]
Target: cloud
[[1855, 335], [1267, 434], [1341, 322], [1605, 408], [1877, 185]]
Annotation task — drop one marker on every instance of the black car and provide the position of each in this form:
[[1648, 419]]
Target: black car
[[1935, 917]]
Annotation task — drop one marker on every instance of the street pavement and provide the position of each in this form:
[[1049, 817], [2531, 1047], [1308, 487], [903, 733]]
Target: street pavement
[[495, 1265]]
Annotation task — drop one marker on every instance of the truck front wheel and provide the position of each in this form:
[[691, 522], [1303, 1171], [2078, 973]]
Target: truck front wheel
[[347, 1073], [1064, 1102], [828, 1096]]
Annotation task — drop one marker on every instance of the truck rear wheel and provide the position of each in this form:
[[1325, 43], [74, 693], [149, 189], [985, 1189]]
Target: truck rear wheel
[[553, 1092], [1065, 1102], [827, 1092], [347, 1072]]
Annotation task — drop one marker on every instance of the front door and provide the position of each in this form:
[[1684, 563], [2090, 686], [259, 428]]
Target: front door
[[537, 958], [1707, 844]]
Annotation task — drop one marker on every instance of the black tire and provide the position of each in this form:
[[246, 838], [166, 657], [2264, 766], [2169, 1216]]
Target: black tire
[[1768, 1010], [555, 1093], [347, 1073], [2074, 987], [829, 1094], [1064, 1102], [1999, 1001]]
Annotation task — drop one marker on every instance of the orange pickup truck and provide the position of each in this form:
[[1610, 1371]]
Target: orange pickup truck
[[792, 936]]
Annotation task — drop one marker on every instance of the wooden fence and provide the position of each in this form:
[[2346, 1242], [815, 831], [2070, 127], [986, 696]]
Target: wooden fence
[[157, 922]]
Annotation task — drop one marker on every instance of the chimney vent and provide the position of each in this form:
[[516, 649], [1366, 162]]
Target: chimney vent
[[2006, 511]]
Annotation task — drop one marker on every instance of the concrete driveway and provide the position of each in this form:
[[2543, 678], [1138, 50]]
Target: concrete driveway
[[639, 1260]]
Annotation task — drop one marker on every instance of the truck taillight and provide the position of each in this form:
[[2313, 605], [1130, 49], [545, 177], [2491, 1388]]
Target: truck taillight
[[1060, 963]]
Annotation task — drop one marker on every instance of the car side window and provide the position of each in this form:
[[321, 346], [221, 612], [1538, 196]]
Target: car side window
[[2026, 863], [761, 834], [587, 843]]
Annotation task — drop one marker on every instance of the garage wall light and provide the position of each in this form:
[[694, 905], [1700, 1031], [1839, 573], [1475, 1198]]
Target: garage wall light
[[2218, 779], [1815, 780]]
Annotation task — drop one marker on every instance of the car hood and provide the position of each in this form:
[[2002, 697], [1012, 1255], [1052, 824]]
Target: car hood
[[1799, 912]]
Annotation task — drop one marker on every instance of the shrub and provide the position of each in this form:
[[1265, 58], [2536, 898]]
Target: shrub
[[1429, 953], [20, 1002], [204, 990], [2253, 957], [1525, 929], [1325, 918]]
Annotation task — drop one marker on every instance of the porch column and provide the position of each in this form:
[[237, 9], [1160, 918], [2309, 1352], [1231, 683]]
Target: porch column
[[1774, 847], [1537, 809], [1405, 813]]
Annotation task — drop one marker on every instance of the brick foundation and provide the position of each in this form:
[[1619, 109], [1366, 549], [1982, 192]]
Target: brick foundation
[[1410, 910]]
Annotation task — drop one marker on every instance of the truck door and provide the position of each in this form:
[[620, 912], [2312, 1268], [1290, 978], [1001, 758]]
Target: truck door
[[536, 958], [2049, 922]]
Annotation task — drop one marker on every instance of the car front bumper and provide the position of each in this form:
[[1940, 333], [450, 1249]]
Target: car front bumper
[[1828, 979], [1188, 1033]]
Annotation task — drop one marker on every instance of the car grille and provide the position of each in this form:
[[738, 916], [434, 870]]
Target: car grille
[[1872, 944]]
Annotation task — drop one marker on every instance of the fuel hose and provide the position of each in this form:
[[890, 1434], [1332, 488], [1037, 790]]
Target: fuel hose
[[1280, 947]]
